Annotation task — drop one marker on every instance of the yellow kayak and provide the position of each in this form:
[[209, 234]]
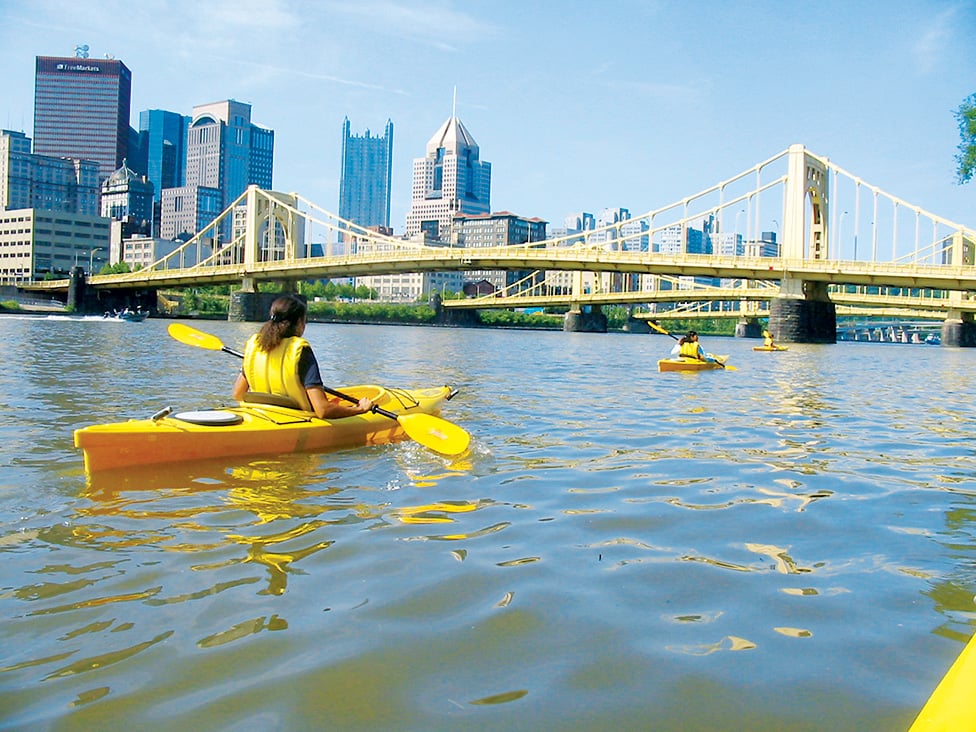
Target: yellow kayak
[[951, 707], [770, 348], [255, 429], [685, 363]]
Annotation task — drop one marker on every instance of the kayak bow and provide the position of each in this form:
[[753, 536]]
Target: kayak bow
[[951, 707]]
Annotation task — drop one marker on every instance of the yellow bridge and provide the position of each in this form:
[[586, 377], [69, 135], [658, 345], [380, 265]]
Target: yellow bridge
[[911, 261]]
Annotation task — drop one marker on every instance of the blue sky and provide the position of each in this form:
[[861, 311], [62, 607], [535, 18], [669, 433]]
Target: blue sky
[[578, 106]]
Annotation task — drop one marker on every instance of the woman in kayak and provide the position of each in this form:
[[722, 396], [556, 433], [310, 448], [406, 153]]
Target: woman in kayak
[[278, 361], [689, 347], [768, 339]]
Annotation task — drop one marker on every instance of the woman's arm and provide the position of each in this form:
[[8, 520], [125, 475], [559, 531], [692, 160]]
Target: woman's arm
[[325, 408], [241, 387]]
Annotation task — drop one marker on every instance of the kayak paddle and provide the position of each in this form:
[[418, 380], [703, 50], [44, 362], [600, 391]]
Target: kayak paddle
[[721, 363], [430, 431]]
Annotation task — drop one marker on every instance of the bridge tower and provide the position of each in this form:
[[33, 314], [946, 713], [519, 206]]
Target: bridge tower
[[274, 231], [803, 312]]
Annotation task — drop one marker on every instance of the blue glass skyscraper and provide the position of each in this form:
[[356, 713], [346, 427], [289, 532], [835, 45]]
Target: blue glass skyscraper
[[162, 143], [367, 173]]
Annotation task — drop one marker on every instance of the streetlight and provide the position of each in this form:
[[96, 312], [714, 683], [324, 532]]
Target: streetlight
[[91, 259]]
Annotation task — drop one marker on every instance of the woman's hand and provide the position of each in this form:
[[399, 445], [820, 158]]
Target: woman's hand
[[365, 405]]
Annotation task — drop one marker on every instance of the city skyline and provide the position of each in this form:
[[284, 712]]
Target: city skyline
[[628, 104]]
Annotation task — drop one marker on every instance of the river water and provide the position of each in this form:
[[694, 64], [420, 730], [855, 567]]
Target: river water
[[787, 545]]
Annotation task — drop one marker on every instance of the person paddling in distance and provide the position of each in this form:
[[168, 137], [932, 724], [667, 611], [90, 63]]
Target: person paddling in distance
[[768, 339], [689, 347], [278, 361]]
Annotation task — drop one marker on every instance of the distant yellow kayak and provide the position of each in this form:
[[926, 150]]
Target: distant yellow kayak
[[684, 363], [770, 348], [951, 708]]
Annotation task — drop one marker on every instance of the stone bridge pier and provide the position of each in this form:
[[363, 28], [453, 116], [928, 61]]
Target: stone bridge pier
[[451, 316], [748, 327], [803, 313], [586, 319], [958, 329]]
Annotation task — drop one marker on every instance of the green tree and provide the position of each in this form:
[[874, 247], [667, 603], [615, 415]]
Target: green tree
[[117, 268], [966, 159]]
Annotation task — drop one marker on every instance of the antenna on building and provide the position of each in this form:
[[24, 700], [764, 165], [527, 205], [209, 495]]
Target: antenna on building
[[81, 51], [454, 105]]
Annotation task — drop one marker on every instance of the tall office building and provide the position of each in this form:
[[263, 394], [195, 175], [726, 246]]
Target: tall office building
[[451, 179], [226, 151], [367, 172], [43, 181], [162, 148], [81, 110]]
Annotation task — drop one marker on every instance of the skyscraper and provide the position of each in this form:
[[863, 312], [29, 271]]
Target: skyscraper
[[162, 147], [451, 179], [367, 173], [81, 110], [224, 150]]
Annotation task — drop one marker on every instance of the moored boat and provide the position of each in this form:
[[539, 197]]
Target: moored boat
[[685, 363], [255, 429]]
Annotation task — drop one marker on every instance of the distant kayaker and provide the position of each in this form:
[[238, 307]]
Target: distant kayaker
[[768, 340], [689, 347], [277, 360]]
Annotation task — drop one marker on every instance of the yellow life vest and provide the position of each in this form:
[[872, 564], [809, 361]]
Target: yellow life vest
[[689, 349], [276, 372]]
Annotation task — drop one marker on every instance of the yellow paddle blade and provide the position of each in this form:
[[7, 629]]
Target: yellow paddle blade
[[657, 327], [436, 433], [193, 337]]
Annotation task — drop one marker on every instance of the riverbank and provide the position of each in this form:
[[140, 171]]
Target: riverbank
[[376, 313]]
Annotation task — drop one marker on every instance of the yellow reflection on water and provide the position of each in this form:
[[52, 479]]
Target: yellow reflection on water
[[177, 503], [502, 698], [783, 561], [435, 513], [102, 660], [91, 695], [268, 506], [728, 643], [242, 630]]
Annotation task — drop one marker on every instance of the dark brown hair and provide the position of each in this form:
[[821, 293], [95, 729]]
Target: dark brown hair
[[286, 314]]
